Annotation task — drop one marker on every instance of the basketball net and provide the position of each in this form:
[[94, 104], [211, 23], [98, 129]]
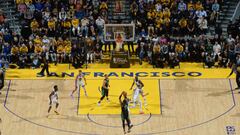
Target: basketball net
[[119, 43]]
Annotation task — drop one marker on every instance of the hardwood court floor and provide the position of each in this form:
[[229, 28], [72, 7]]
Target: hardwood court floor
[[189, 107]]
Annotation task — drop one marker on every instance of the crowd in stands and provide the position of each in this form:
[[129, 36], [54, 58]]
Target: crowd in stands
[[169, 32], [47, 26], [175, 17], [163, 50]]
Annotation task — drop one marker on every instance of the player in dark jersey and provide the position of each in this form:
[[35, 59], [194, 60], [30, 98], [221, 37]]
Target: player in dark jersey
[[53, 97], [1, 80], [105, 89], [236, 70], [125, 111]]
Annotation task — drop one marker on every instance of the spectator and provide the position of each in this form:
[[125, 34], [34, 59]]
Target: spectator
[[215, 7], [84, 26], [100, 25], [190, 5], [31, 6], [53, 51], [21, 61], [46, 15], [60, 53], [51, 27], [201, 13], [230, 40], [28, 15], [191, 27], [182, 6], [98, 52], [34, 25], [67, 53], [223, 59], [209, 61], [90, 50], [62, 15], [179, 51], [216, 50], [150, 53], [6, 52], [22, 8], [38, 5], [14, 53], [38, 50], [48, 5], [202, 25], [199, 5], [173, 61], [183, 25], [75, 26]]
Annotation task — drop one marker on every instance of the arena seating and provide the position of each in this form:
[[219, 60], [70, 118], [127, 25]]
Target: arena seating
[[71, 31]]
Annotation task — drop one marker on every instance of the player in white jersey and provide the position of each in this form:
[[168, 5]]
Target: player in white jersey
[[136, 92], [80, 81], [53, 97]]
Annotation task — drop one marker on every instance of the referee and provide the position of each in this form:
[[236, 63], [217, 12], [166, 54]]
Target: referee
[[45, 67]]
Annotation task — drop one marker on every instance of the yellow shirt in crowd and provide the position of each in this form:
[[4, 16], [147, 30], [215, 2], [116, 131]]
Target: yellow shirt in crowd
[[166, 13], [159, 14], [179, 48], [66, 24], [159, 22], [66, 43], [14, 50], [60, 49], [23, 49], [38, 49], [28, 1], [166, 21], [37, 41], [191, 6], [151, 15], [165, 2], [75, 23], [19, 1], [34, 24], [199, 6], [183, 23], [51, 24], [67, 49], [103, 5], [59, 42]]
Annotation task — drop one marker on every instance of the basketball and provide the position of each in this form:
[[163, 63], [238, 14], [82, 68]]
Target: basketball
[[124, 93]]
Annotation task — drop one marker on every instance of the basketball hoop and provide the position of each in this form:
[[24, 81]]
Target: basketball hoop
[[111, 31]]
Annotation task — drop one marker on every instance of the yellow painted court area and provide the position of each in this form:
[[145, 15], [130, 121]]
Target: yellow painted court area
[[89, 104]]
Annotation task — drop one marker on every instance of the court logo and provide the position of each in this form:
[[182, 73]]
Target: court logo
[[139, 74], [230, 130], [131, 74]]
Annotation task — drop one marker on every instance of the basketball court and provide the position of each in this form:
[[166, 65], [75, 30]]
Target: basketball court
[[185, 102]]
